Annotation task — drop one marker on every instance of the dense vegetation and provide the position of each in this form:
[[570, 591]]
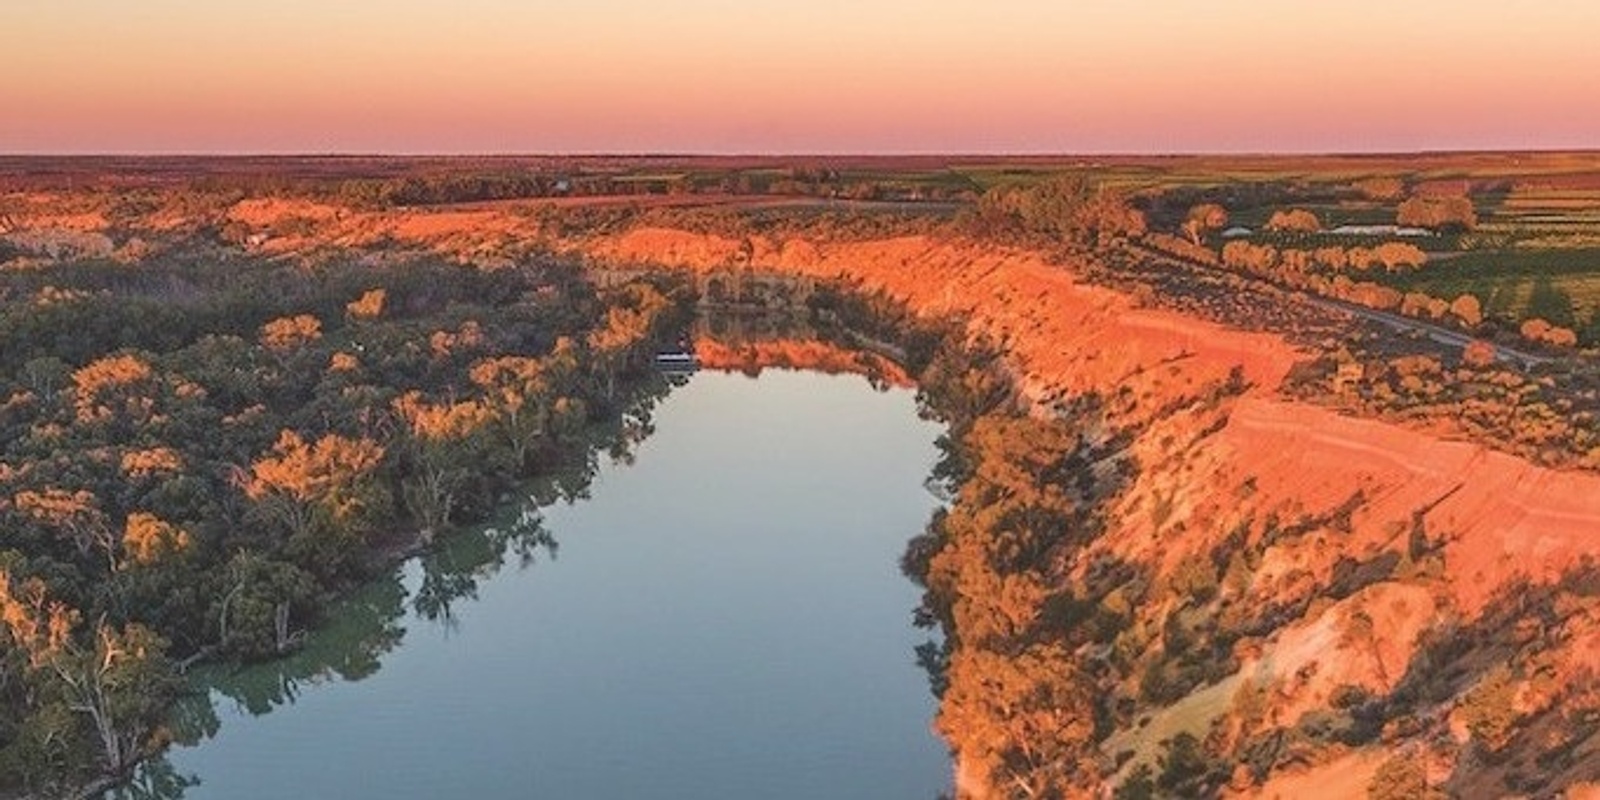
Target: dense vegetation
[[1547, 415], [197, 452], [311, 414], [1066, 671], [1046, 650], [1491, 252]]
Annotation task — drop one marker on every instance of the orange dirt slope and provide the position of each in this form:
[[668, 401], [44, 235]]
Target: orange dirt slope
[[1208, 467]]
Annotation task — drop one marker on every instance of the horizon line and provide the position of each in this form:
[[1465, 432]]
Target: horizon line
[[642, 154]]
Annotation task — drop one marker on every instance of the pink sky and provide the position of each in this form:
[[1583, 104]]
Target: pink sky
[[710, 76]]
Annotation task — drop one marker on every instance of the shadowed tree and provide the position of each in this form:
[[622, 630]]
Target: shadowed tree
[[1202, 220], [443, 446], [319, 493]]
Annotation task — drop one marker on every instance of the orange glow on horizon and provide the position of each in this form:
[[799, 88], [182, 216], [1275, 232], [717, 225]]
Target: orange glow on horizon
[[787, 76]]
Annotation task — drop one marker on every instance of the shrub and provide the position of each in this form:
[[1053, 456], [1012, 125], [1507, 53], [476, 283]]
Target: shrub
[[1478, 354], [1296, 220], [1438, 213]]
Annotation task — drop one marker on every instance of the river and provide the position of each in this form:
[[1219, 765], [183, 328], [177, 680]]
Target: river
[[723, 617]]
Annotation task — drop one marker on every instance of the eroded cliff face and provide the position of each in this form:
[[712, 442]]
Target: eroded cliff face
[[1357, 561], [1392, 609]]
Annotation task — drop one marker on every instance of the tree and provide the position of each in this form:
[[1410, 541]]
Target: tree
[[121, 683], [1539, 330], [34, 623], [1260, 259], [77, 514], [1478, 354], [1467, 309], [254, 615], [1107, 217], [1297, 220], [467, 338], [1489, 710], [1139, 785], [1359, 632], [1186, 770], [442, 445], [629, 322], [343, 362], [151, 461], [368, 305], [118, 682], [1397, 256], [1440, 212], [517, 398], [147, 538], [1402, 777], [106, 385], [300, 484], [287, 333], [45, 376], [1383, 188], [1067, 205], [1021, 722], [1203, 219]]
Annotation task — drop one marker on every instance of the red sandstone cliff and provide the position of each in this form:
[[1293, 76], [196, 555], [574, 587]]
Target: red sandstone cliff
[[1476, 533], [1359, 488]]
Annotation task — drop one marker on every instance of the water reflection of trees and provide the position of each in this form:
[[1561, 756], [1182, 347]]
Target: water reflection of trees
[[156, 780], [454, 572], [367, 625], [350, 647], [352, 642], [749, 340]]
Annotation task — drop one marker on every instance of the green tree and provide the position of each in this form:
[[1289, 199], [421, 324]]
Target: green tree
[[120, 684], [444, 447], [256, 612]]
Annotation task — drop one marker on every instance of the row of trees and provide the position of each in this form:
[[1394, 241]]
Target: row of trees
[[1055, 650], [171, 492], [1266, 259], [1015, 705], [1335, 271], [462, 186], [1066, 207], [1322, 272]]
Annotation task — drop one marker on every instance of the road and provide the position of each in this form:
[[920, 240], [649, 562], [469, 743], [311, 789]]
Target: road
[[1442, 335], [1397, 322]]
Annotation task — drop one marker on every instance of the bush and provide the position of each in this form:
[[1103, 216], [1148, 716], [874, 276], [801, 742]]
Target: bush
[[1439, 213], [1296, 220]]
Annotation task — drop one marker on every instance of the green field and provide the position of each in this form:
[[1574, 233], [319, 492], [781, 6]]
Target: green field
[[1562, 286], [1535, 251]]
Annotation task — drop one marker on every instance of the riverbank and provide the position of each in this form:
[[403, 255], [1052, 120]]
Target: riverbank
[[200, 476], [1439, 534], [1357, 588], [738, 637]]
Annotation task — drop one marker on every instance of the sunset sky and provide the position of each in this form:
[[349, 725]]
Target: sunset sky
[[786, 76]]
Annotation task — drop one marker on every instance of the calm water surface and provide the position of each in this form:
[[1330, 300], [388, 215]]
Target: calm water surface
[[724, 618]]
